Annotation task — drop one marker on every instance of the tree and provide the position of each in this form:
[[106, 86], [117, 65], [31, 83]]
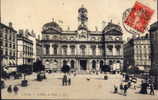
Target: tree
[[65, 68], [38, 66]]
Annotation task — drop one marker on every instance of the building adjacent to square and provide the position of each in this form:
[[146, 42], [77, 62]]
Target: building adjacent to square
[[137, 53], [29, 47], [82, 49], [154, 46], [154, 43], [8, 47], [24, 48]]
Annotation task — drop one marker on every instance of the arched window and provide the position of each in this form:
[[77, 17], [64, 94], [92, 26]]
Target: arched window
[[47, 49], [110, 47], [55, 49], [93, 47], [64, 50], [118, 47], [72, 47], [83, 47]]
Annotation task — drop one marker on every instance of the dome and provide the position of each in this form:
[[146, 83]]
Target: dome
[[52, 27], [112, 29]]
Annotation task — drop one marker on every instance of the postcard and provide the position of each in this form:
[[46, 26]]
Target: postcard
[[79, 49]]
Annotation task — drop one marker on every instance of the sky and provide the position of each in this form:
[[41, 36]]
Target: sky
[[33, 14]]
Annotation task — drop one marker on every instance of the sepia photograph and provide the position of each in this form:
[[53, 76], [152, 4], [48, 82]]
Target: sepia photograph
[[79, 49]]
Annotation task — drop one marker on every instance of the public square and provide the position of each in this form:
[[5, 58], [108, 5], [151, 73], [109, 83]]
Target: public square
[[83, 86]]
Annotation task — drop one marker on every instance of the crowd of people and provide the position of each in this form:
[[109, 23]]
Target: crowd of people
[[146, 87], [128, 82]]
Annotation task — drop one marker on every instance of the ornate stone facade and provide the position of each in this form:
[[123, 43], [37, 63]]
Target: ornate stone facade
[[82, 49]]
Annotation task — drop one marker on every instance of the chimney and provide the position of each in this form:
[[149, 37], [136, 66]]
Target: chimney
[[10, 25]]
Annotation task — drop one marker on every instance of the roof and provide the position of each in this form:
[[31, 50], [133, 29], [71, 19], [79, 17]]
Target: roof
[[3, 25], [112, 29], [51, 27], [154, 26]]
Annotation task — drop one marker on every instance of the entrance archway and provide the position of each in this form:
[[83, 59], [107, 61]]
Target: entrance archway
[[64, 62], [94, 64], [83, 64], [72, 64]]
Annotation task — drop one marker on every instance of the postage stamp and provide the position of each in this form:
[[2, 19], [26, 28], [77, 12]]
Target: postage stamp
[[139, 17]]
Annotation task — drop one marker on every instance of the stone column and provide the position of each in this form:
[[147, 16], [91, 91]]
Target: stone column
[[43, 50], [97, 65], [51, 49]]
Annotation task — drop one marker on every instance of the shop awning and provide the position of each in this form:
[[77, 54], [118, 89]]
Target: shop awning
[[12, 69], [10, 62], [13, 61]]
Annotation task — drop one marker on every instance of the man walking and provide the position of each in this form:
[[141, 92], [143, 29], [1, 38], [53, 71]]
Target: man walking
[[121, 88], [152, 89], [16, 89], [9, 89], [125, 89]]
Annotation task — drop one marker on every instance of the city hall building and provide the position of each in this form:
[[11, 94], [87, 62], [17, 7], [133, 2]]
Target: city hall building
[[82, 49]]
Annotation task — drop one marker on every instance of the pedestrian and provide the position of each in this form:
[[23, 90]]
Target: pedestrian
[[129, 84], [134, 85], [115, 89], [152, 89], [146, 87], [121, 88], [69, 81], [125, 89], [64, 80], [9, 89], [16, 89]]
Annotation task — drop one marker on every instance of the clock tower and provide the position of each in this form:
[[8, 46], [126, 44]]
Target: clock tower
[[82, 19]]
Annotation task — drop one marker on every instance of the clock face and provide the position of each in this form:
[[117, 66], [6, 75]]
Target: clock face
[[117, 38], [82, 32]]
